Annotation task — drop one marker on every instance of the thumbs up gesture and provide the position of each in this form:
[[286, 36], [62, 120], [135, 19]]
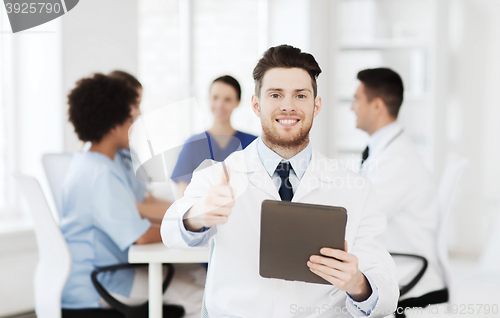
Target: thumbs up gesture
[[214, 208]]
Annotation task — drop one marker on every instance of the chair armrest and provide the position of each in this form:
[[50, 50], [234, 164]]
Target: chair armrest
[[404, 289]]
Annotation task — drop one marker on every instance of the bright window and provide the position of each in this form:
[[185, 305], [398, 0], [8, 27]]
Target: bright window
[[7, 117], [185, 45]]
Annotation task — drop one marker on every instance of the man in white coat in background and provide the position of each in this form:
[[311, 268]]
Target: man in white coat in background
[[281, 165], [405, 189]]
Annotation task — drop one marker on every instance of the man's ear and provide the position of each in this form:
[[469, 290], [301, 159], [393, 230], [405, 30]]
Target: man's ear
[[256, 105], [317, 106], [378, 105]]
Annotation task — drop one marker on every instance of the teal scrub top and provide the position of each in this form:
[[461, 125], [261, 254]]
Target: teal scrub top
[[99, 221]]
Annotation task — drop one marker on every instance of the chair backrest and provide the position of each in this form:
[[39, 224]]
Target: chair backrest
[[447, 194], [56, 165], [54, 262]]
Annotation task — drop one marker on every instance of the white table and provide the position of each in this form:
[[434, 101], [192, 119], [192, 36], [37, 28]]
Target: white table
[[155, 254]]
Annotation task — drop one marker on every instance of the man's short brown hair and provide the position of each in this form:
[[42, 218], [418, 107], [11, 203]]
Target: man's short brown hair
[[385, 84], [286, 56]]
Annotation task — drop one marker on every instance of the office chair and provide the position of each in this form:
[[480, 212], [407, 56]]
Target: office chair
[[55, 166], [54, 266], [447, 193]]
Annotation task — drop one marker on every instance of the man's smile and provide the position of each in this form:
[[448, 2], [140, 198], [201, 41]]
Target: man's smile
[[287, 121]]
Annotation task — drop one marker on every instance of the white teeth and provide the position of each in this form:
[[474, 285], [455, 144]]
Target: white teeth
[[287, 121]]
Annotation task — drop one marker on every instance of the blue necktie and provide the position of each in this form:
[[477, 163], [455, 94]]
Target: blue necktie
[[285, 191]]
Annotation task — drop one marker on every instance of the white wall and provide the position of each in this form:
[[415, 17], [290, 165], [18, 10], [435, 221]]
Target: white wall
[[470, 118], [306, 24], [98, 36], [38, 97]]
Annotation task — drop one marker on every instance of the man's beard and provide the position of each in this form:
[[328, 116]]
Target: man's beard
[[272, 137]]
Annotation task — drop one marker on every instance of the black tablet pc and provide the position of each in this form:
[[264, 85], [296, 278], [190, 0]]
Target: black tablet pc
[[291, 232]]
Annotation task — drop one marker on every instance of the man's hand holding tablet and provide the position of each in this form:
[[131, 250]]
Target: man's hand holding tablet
[[214, 208], [340, 268]]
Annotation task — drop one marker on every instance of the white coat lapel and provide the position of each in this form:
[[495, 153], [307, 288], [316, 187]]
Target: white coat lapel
[[251, 164], [261, 180], [371, 163], [317, 172]]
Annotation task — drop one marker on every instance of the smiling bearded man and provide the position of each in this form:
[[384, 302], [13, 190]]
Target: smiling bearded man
[[282, 165]]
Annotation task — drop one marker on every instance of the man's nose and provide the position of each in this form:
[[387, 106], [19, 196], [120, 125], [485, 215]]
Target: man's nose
[[288, 105]]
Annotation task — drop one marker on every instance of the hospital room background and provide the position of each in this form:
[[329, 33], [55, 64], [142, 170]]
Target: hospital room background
[[447, 52]]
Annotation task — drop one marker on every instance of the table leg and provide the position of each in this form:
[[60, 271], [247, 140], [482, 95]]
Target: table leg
[[155, 290]]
